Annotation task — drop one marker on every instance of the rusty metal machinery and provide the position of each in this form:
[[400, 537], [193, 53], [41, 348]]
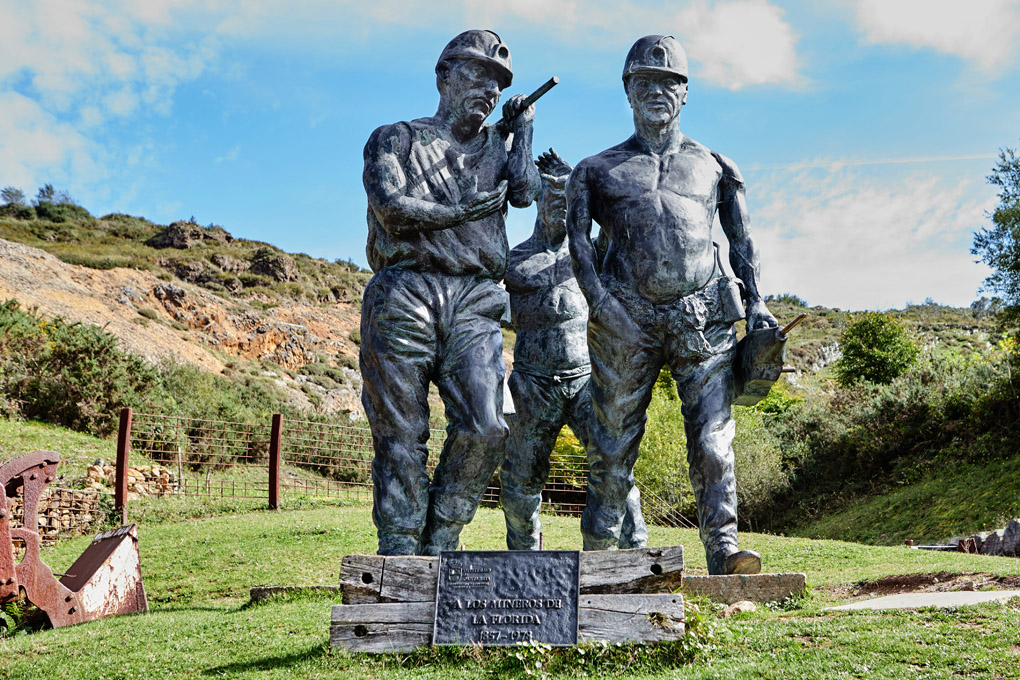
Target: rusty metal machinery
[[104, 581]]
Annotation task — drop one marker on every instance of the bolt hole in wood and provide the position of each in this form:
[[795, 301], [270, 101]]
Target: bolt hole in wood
[[360, 631], [656, 569], [366, 577]]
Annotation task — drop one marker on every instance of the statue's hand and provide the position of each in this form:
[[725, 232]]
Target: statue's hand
[[483, 203], [519, 118], [551, 163], [758, 316]]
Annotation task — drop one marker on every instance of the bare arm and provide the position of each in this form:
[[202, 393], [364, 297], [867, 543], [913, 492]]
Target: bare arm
[[743, 255], [386, 186], [582, 252], [521, 171]]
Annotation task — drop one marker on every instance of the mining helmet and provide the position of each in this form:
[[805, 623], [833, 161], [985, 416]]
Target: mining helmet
[[656, 53], [483, 46]]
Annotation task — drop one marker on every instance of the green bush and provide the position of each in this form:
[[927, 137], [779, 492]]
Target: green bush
[[876, 348], [947, 409], [17, 211], [69, 374], [62, 212]]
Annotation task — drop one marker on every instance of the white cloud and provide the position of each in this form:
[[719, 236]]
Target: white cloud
[[732, 43], [985, 32], [70, 67], [33, 143], [741, 43], [843, 238]]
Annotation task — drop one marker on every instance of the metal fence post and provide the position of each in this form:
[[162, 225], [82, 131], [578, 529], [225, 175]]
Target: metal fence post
[[275, 438], [123, 446]]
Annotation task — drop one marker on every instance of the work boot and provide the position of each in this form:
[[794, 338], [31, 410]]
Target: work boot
[[733, 561]]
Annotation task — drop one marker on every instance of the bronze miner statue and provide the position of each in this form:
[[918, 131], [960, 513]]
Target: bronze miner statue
[[437, 192], [659, 296], [549, 382]]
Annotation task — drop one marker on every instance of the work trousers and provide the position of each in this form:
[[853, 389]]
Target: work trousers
[[418, 328], [694, 337], [544, 403]]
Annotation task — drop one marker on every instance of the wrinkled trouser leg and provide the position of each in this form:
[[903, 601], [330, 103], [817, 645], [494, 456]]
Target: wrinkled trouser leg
[[533, 433], [706, 390], [398, 346], [470, 380], [633, 531], [625, 363]]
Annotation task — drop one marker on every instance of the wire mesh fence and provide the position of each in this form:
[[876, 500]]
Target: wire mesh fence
[[200, 457], [204, 458]]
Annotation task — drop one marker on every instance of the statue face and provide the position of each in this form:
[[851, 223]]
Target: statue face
[[656, 97], [552, 207], [472, 88]]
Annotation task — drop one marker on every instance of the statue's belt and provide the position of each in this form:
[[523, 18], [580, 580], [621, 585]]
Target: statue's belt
[[556, 375], [717, 301]]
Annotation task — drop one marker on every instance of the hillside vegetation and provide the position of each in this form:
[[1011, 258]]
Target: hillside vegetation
[[206, 256]]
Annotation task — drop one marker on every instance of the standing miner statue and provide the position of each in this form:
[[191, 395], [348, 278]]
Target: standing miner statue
[[437, 189], [549, 382], [659, 296]]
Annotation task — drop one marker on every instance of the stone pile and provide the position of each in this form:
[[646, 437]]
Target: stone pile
[[61, 511], [142, 480], [1004, 542]]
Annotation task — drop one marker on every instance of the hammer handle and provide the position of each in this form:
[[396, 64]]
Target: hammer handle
[[503, 123]]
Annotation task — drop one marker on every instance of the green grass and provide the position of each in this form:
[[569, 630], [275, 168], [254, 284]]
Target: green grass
[[197, 574], [943, 503], [77, 450]]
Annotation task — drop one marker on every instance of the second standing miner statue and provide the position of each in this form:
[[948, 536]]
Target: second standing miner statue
[[550, 379], [659, 297], [437, 189]]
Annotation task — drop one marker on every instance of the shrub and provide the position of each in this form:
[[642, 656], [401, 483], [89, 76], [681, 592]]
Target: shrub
[[876, 349], [946, 409], [62, 212], [70, 374], [17, 211]]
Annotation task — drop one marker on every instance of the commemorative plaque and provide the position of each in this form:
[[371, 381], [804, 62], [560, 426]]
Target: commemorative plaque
[[501, 597]]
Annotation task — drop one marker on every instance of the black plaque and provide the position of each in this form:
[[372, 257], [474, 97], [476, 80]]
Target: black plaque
[[504, 597]]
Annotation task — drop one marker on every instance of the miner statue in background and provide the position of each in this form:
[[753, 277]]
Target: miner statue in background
[[549, 382], [437, 192], [659, 296]]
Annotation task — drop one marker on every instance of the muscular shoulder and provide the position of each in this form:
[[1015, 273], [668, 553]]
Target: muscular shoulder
[[606, 159], [729, 169], [394, 138]]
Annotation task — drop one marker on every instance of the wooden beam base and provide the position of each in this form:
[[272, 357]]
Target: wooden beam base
[[403, 626], [367, 579]]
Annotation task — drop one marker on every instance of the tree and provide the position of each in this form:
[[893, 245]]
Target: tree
[[998, 246], [45, 194], [12, 196], [876, 348]]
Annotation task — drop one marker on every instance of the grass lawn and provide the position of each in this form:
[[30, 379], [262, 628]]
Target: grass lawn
[[197, 573], [972, 496]]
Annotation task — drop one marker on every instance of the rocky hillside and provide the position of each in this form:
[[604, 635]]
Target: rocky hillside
[[198, 295], [238, 306]]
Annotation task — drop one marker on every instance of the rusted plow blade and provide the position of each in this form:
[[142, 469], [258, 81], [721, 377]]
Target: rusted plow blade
[[106, 579]]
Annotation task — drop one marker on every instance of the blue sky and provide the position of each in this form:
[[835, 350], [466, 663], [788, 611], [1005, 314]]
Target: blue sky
[[864, 128]]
